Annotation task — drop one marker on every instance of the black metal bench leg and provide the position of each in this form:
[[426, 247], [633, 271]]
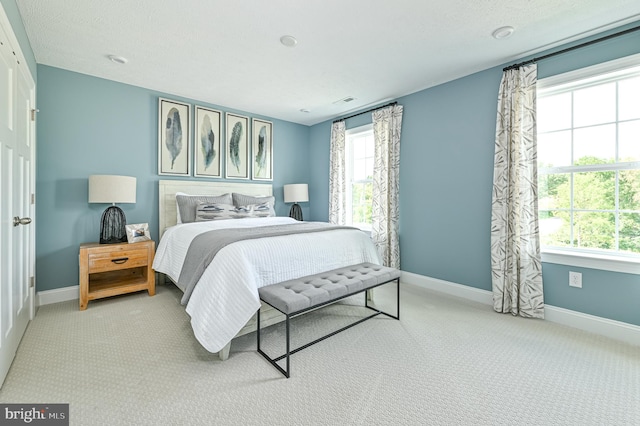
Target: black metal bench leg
[[398, 298], [397, 316], [288, 348], [258, 331], [274, 362]]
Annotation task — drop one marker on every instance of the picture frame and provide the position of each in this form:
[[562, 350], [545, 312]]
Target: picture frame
[[174, 136], [138, 232], [206, 143], [261, 149], [237, 146]]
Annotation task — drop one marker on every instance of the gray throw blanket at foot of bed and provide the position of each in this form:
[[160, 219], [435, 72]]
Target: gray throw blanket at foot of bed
[[205, 246]]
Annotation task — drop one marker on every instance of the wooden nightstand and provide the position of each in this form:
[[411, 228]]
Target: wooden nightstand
[[112, 269]]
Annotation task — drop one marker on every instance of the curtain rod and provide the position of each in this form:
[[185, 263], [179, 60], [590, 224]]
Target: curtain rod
[[569, 49], [364, 112]]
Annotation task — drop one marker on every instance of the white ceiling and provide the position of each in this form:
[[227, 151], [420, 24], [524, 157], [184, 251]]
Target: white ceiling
[[228, 52]]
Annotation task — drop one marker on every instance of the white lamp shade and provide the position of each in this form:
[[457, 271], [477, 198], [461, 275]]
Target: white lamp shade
[[112, 189], [296, 193]]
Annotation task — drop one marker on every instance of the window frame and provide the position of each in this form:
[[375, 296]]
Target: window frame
[[349, 158], [574, 80]]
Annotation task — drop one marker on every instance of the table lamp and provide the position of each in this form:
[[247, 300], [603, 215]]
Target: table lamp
[[296, 193], [112, 189]]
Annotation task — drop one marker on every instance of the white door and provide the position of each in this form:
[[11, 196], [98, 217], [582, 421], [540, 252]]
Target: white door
[[17, 158]]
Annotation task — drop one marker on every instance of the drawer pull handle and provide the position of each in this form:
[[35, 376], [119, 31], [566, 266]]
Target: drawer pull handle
[[120, 260]]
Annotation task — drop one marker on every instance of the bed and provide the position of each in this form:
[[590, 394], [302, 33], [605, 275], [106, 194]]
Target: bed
[[224, 300]]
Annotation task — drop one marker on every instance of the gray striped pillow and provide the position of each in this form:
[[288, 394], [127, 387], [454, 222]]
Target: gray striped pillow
[[240, 200], [187, 204]]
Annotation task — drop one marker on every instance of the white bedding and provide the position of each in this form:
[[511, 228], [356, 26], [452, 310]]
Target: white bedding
[[226, 297]]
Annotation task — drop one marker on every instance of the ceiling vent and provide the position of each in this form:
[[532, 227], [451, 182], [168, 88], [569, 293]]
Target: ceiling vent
[[345, 100]]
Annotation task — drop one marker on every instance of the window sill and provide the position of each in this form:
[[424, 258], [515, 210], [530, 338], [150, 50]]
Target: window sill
[[625, 264]]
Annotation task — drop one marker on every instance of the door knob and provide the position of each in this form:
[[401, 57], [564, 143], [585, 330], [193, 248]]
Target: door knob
[[21, 221]]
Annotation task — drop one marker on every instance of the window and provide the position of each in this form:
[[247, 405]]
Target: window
[[359, 147], [589, 160]]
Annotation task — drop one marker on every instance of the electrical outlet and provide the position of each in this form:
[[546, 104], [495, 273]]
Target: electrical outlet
[[575, 279]]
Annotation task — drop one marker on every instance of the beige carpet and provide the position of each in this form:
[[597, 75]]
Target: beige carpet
[[133, 360]]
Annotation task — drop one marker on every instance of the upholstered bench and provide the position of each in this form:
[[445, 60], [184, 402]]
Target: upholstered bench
[[295, 297]]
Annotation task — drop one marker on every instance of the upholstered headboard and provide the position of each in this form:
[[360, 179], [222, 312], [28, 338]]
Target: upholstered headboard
[[167, 195]]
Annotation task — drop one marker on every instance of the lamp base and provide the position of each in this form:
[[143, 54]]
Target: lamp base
[[296, 212], [112, 226]]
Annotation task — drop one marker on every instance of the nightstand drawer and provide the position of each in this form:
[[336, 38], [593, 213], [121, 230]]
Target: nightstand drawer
[[120, 259]]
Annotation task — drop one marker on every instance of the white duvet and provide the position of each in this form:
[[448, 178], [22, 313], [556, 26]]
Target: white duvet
[[226, 297]]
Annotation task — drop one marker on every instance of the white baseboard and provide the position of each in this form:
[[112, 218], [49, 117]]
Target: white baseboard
[[57, 295], [447, 287], [604, 326], [614, 329], [619, 330]]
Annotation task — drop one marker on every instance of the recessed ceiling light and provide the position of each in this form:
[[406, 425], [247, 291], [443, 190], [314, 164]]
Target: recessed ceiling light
[[502, 32], [289, 41], [118, 59]]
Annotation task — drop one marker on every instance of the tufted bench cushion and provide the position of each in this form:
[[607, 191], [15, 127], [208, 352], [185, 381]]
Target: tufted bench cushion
[[293, 296]]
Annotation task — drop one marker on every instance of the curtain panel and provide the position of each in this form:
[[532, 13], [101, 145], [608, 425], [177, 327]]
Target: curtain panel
[[387, 129], [337, 175], [516, 266]]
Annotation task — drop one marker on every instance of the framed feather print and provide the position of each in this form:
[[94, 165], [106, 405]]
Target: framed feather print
[[206, 143], [174, 128], [262, 150], [237, 146]]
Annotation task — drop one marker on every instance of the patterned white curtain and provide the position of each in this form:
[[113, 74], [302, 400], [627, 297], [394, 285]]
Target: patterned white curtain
[[337, 175], [387, 124], [516, 267]]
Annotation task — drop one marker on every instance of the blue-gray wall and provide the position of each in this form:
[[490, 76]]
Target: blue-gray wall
[[446, 175], [87, 125]]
